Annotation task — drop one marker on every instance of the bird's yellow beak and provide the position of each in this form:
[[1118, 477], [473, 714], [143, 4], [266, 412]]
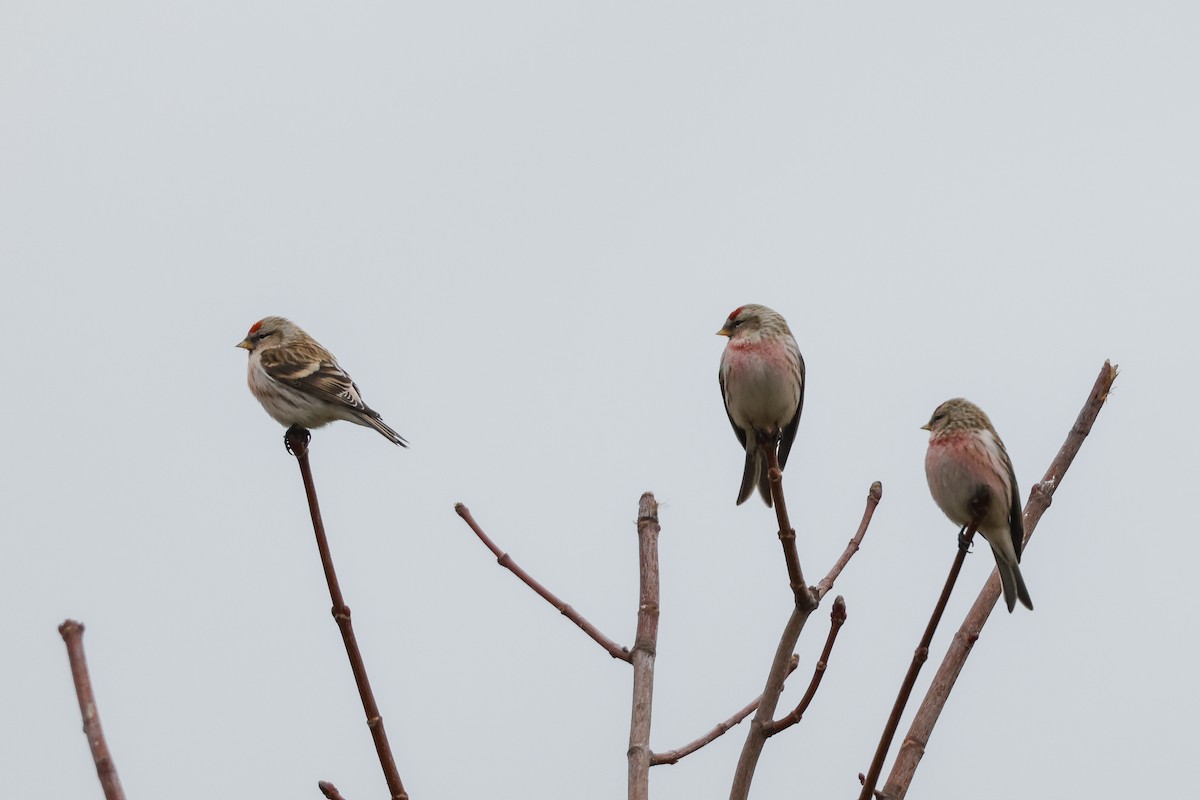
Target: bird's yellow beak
[[724, 332], [244, 344], [925, 427]]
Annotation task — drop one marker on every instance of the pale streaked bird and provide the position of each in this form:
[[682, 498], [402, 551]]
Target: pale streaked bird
[[762, 383], [970, 474], [299, 382]]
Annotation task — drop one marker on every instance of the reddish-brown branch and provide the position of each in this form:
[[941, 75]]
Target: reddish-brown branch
[[913, 747], [837, 617], [645, 647], [673, 756], [805, 603], [505, 560], [919, 657], [329, 790], [787, 534], [874, 495], [297, 444], [106, 770]]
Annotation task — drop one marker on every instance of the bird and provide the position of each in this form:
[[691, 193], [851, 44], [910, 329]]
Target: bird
[[762, 384], [299, 382], [971, 477]]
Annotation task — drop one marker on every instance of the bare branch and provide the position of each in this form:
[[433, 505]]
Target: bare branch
[[645, 647], [72, 633], [505, 560], [787, 534], [296, 441], [918, 660], [673, 756], [837, 617], [806, 602], [874, 495], [329, 790], [1041, 495]]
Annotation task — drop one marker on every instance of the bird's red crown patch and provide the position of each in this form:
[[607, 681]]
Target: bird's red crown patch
[[254, 328]]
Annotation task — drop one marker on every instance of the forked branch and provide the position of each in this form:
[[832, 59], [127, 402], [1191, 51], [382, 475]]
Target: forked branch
[[913, 748], [837, 618], [805, 603]]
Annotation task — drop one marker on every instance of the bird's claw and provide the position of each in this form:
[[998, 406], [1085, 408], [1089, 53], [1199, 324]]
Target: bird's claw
[[964, 543], [302, 437]]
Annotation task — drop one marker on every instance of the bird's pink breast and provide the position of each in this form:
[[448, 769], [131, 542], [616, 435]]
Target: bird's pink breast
[[956, 466], [762, 383]]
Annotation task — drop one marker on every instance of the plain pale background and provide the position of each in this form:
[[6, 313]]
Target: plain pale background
[[518, 226]]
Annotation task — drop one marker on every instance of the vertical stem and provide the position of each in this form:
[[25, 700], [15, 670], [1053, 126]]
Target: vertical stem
[[645, 647], [787, 534], [106, 770], [297, 444]]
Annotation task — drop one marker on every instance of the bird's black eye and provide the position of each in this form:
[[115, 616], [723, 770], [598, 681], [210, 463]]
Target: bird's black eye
[[260, 337]]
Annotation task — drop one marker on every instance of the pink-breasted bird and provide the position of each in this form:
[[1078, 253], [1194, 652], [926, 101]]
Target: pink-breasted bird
[[970, 475], [762, 383], [300, 383]]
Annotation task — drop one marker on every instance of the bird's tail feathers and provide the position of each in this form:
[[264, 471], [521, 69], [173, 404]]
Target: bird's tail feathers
[[379, 425], [754, 473], [1013, 585]]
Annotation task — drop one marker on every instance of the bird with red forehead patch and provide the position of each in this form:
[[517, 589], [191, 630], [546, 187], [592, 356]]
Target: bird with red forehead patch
[[299, 382], [762, 383], [971, 477]]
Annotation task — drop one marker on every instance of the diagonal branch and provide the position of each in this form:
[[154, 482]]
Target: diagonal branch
[[837, 618], [645, 647], [920, 655], [505, 560], [1041, 495], [673, 756], [874, 495], [296, 441], [72, 633]]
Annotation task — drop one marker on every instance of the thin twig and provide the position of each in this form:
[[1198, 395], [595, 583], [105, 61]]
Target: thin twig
[[296, 441], [329, 790], [837, 617], [645, 646], [913, 747], [874, 495], [919, 657], [505, 560], [787, 534], [106, 770], [673, 756]]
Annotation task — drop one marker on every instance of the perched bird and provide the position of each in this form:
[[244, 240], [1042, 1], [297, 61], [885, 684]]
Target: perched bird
[[970, 475], [762, 382], [299, 383]]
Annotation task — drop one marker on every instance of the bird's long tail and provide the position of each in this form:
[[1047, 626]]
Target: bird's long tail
[[378, 424], [1013, 584], [755, 474]]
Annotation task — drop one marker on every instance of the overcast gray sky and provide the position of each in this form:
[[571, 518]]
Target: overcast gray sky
[[518, 226]]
